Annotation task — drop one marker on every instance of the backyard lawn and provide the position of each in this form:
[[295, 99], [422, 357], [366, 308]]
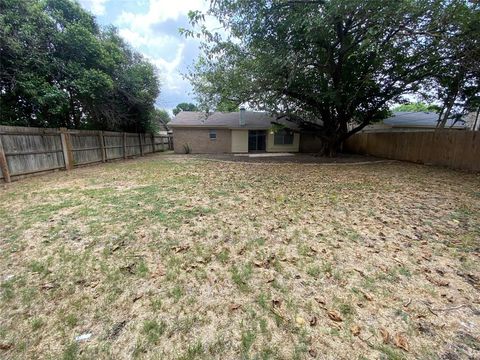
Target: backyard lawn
[[177, 257]]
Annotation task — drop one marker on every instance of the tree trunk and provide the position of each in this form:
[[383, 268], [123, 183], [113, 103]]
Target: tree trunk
[[476, 119], [450, 104]]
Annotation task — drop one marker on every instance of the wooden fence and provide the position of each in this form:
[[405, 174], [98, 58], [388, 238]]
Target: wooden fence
[[25, 150], [456, 149]]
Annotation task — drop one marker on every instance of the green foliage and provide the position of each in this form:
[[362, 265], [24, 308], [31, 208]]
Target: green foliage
[[184, 107], [59, 68], [332, 66], [162, 116], [418, 106]]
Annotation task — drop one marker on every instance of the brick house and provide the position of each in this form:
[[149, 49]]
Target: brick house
[[234, 132]]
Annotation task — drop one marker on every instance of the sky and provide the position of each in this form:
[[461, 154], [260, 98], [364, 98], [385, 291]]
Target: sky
[[151, 27]]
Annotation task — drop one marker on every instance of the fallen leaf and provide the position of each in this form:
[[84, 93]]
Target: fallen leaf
[[334, 315], [401, 342], [312, 352], [48, 286], [355, 330], [320, 300], [366, 295], [5, 346], [276, 303], [360, 272], [181, 248], [313, 321], [385, 335], [437, 282], [137, 297], [233, 306]]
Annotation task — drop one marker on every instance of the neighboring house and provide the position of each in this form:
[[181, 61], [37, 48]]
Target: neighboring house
[[413, 121], [234, 132], [163, 128]]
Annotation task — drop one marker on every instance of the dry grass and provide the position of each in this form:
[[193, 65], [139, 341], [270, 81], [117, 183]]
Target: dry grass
[[180, 258]]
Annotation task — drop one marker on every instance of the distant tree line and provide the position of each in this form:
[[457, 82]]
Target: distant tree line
[[60, 68]]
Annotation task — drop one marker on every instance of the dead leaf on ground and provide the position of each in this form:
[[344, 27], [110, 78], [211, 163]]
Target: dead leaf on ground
[[49, 286], [5, 346], [313, 321], [312, 352], [137, 297], [334, 315], [401, 342], [233, 306], [385, 335], [366, 295], [438, 282], [276, 303], [355, 330], [181, 248], [320, 300], [360, 272]]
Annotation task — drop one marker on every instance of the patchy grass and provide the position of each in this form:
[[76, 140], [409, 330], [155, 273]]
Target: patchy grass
[[175, 257]]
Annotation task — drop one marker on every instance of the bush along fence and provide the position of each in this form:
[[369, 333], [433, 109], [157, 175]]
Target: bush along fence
[[25, 150], [456, 149]]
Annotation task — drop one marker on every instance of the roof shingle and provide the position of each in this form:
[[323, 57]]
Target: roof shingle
[[253, 120]]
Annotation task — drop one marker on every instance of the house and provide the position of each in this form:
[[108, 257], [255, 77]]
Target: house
[[163, 128], [413, 121], [233, 132]]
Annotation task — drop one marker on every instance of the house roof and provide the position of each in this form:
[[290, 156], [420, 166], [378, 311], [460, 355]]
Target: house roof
[[419, 119], [230, 120]]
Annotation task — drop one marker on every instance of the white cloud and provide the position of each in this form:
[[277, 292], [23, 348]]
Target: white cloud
[[159, 11], [153, 31], [97, 7]]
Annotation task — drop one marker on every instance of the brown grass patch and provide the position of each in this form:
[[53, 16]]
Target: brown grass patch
[[174, 257]]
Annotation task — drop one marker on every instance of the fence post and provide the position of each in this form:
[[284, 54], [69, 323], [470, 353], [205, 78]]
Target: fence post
[[141, 146], [124, 145], [153, 143], [102, 145], [4, 164], [66, 148]]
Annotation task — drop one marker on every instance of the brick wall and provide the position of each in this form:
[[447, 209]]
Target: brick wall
[[199, 141]]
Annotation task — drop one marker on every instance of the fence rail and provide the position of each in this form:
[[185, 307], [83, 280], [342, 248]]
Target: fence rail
[[25, 150], [456, 149]]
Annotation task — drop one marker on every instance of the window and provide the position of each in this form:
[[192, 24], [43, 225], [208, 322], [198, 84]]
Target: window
[[283, 137], [212, 134]]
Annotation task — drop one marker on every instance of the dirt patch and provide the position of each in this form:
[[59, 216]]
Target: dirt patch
[[175, 257]]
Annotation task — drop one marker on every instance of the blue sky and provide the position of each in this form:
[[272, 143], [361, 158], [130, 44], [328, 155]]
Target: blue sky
[[151, 27]]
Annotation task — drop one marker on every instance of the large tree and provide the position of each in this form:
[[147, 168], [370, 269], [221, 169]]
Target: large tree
[[184, 107], [334, 66], [59, 68]]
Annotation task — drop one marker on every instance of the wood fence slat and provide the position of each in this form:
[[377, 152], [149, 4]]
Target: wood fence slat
[[67, 148], [124, 145], [4, 164], [101, 139]]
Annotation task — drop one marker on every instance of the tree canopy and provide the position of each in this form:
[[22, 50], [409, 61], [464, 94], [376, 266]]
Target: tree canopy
[[59, 68], [184, 107], [333, 66]]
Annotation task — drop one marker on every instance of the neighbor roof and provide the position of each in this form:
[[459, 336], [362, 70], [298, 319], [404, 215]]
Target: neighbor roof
[[230, 120], [419, 119]]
